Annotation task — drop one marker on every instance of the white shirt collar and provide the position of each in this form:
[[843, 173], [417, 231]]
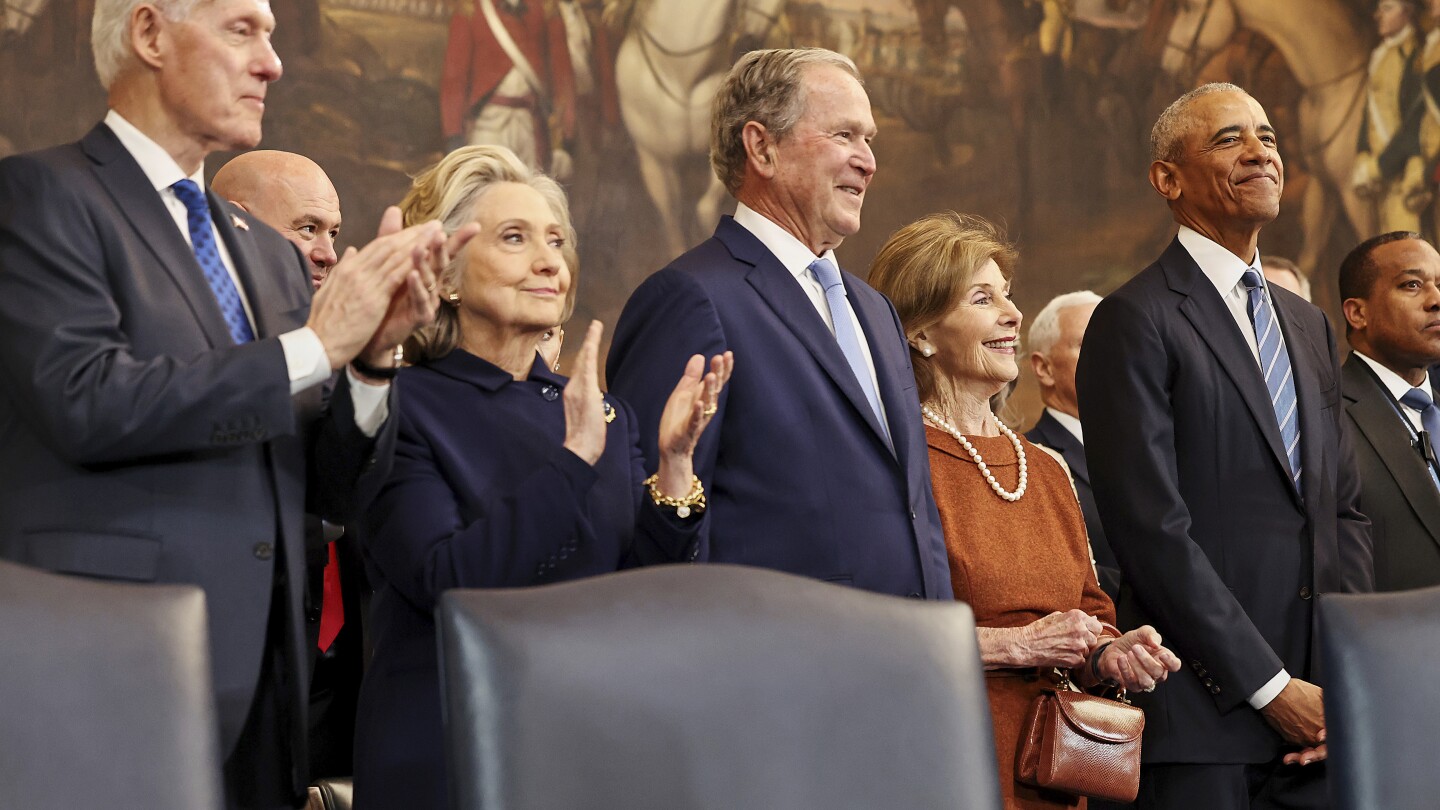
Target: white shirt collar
[[159, 167], [791, 252], [1398, 38], [1394, 383], [1222, 267], [1068, 422]]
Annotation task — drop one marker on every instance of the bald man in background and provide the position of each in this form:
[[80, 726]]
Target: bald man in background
[[291, 194]]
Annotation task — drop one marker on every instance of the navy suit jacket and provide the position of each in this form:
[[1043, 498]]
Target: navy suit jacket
[[1396, 490], [482, 494], [1218, 550], [798, 472], [141, 443], [1055, 436]]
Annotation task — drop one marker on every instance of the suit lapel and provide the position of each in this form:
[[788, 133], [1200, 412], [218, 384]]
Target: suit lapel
[[891, 364], [780, 291], [1058, 438], [1376, 417], [127, 185], [1212, 320]]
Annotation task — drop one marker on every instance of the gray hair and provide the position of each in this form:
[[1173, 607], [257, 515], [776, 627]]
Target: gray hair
[[1045, 329], [110, 32], [449, 191], [764, 87], [1169, 131]]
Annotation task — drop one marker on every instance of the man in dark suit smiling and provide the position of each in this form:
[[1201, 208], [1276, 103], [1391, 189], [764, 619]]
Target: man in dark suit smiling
[[162, 360], [817, 455], [1210, 403]]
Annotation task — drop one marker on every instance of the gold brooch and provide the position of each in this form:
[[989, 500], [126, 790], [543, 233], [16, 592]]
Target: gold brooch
[[609, 411]]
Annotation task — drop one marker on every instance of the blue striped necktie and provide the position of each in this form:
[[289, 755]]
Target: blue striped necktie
[[1275, 364], [829, 278], [1420, 400], [202, 241]]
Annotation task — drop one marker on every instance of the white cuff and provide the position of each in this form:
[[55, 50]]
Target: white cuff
[[305, 359], [1270, 690], [371, 403]]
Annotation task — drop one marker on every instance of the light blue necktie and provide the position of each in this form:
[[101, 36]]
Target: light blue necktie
[[1420, 400], [202, 241], [845, 335], [1275, 364]]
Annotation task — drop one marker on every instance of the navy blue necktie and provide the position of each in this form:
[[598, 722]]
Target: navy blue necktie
[[1420, 400], [202, 241], [845, 335], [1275, 364]]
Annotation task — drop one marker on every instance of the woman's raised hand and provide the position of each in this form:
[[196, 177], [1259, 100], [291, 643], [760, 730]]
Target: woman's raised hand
[[689, 409], [584, 404]]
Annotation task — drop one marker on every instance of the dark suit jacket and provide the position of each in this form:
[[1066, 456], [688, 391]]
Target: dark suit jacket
[[1053, 435], [141, 443], [1217, 549], [798, 473], [482, 495], [1396, 491]]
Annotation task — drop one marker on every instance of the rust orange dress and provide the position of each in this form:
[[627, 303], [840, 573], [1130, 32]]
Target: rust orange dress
[[1013, 563]]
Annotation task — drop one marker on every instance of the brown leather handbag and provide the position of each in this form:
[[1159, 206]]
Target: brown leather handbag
[[1081, 743]]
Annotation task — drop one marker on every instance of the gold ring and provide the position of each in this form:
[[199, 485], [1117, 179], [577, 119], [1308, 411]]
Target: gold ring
[[710, 411]]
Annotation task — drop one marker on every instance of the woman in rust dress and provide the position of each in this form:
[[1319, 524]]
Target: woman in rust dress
[[1018, 550]]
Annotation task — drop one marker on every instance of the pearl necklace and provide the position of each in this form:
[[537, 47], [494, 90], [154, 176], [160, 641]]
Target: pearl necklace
[[945, 425]]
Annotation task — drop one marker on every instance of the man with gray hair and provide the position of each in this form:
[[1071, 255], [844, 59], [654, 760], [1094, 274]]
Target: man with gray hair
[[1055, 337], [816, 462], [162, 359], [1210, 403]]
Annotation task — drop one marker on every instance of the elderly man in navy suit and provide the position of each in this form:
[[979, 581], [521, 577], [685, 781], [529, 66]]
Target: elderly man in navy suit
[[162, 363], [1210, 402], [1390, 294], [1054, 340], [816, 461]]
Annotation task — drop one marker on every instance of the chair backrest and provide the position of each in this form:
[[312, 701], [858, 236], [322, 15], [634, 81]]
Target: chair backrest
[[1381, 654], [715, 686], [105, 695]]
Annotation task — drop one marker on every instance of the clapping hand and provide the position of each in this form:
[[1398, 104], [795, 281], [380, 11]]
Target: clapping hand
[[688, 411], [584, 404]]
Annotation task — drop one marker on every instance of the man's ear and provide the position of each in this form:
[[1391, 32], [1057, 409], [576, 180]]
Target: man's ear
[[1354, 312], [1164, 179], [1043, 368], [147, 34], [759, 149], [241, 206]]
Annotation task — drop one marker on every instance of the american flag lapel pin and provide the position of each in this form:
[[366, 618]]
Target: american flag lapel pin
[[239, 223]]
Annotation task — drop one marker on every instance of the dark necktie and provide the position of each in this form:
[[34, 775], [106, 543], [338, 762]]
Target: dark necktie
[[829, 278], [1420, 400], [202, 241], [1275, 365]]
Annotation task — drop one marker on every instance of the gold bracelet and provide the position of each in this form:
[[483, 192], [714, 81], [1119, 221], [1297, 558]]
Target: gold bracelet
[[692, 504]]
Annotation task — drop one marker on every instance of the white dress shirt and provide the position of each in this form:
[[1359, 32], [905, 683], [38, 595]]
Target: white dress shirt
[[1068, 422], [796, 258], [1224, 269], [1398, 387], [305, 360]]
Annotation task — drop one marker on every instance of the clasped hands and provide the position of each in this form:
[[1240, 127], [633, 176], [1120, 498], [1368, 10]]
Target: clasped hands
[[375, 297], [1135, 661], [1298, 715]]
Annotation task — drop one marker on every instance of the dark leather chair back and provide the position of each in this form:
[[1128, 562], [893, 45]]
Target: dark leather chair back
[[105, 695], [1381, 654], [714, 686], [331, 794]]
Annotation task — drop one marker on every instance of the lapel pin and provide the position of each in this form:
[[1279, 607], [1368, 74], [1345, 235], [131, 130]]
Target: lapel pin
[[239, 223]]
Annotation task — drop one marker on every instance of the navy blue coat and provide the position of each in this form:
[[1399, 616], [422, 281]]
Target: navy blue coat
[[482, 495], [799, 474]]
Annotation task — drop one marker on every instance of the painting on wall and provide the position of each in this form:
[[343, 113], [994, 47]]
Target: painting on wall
[[1034, 113]]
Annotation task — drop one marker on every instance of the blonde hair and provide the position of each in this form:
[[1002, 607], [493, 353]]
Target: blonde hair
[[925, 267], [449, 192], [110, 32]]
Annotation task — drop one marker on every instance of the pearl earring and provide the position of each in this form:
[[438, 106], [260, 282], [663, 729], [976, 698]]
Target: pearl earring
[[453, 297], [927, 351]]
